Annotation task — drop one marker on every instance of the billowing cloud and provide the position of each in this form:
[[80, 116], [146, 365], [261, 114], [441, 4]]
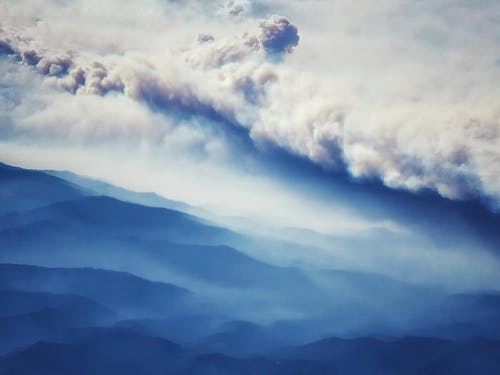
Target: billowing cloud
[[278, 35], [184, 98], [407, 93]]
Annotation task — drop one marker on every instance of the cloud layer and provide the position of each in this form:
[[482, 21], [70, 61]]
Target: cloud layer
[[404, 92]]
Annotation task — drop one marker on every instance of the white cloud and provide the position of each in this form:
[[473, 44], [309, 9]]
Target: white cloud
[[403, 91]]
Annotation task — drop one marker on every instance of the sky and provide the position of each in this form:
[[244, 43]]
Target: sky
[[291, 114]]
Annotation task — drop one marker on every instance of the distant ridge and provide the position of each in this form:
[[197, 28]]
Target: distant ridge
[[97, 187]]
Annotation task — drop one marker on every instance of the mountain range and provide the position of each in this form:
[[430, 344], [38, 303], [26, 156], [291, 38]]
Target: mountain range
[[98, 279]]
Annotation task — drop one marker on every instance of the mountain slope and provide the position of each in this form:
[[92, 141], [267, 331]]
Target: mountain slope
[[238, 305], [22, 189], [103, 351], [106, 351], [129, 295], [410, 355], [27, 317], [101, 231], [97, 188]]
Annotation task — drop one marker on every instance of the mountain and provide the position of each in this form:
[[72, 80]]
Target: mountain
[[177, 248], [117, 217], [22, 189], [95, 284], [466, 316], [102, 231], [20, 302], [28, 317], [408, 355], [124, 293], [42, 303], [105, 351], [96, 351], [47, 324], [98, 188]]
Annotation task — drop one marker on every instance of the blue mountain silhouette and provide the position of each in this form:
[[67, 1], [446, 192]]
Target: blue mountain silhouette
[[129, 284]]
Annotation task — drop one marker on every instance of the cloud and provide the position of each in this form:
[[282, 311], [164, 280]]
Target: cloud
[[205, 38], [179, 97], [406, 93], [235, 9], [278, 35], [5, 48]]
